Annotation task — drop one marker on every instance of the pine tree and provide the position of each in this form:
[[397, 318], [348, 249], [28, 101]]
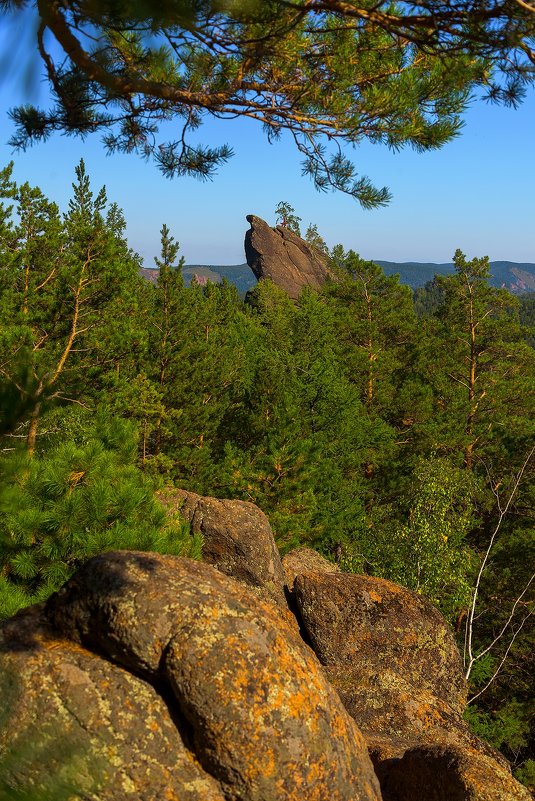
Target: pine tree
[[60, 508], [315, 239], [377, 327], [286, 216], [480, 369], [376, 332], [329, 73], [191, 374], [475, 358], [208, 371], [66, 288], [301, 438]]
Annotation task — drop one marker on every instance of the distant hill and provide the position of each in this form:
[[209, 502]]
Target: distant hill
[[517, 278], [238, 274]]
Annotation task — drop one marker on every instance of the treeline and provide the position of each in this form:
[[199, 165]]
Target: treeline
[[397, 443]]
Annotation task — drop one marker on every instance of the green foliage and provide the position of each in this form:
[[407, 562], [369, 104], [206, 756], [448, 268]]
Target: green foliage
[[473, 355], [376, 327], [169, 253], [66, 297], [286, 216], [428, 299], [427, 550], [527, 316], [508, 729], [59, 509], [507, 670], [315, 239], [376, 331], [526, 774], [333, 74], [198, 366], [509, 726], [301, 441], [379, 437]]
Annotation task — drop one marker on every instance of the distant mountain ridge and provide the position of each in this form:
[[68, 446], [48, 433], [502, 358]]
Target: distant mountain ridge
[[240, 275], [514, 276]]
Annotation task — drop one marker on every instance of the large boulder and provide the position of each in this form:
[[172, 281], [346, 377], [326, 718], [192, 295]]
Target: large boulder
[[303, 560], [72, 719], [285, 258], [396, 666], [237, 540], [375, 625], [448, 773], [147, 648]]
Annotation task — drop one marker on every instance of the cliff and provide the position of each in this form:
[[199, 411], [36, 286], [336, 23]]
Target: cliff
[[285, 258]]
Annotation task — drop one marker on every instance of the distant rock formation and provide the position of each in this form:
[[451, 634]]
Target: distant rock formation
[[159, 677], [285, 258], [150, 274]]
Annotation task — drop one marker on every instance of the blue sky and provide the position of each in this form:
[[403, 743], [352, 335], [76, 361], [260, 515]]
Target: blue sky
[[476, 193]]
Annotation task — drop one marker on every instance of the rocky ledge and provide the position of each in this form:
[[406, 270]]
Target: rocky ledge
[[150, 677]]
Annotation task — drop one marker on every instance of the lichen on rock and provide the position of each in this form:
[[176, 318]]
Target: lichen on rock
[[138, 647]]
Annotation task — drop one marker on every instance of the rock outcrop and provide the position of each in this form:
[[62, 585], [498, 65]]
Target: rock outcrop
[[156, 677], [376, 626], [285, 258], [305, 560], [396, 666], [78, 719], [448, 773], [237, 540], [254, 717]]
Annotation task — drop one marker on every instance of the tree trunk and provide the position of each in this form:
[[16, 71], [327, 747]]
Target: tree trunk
[[472, 375], [32, 431]]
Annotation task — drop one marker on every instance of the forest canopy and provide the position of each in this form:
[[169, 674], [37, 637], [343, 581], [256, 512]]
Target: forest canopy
[[328, 73], [400, 445]]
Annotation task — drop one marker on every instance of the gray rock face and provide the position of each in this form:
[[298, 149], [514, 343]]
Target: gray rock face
[[184, 685], [237, 540], [284, 257]]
